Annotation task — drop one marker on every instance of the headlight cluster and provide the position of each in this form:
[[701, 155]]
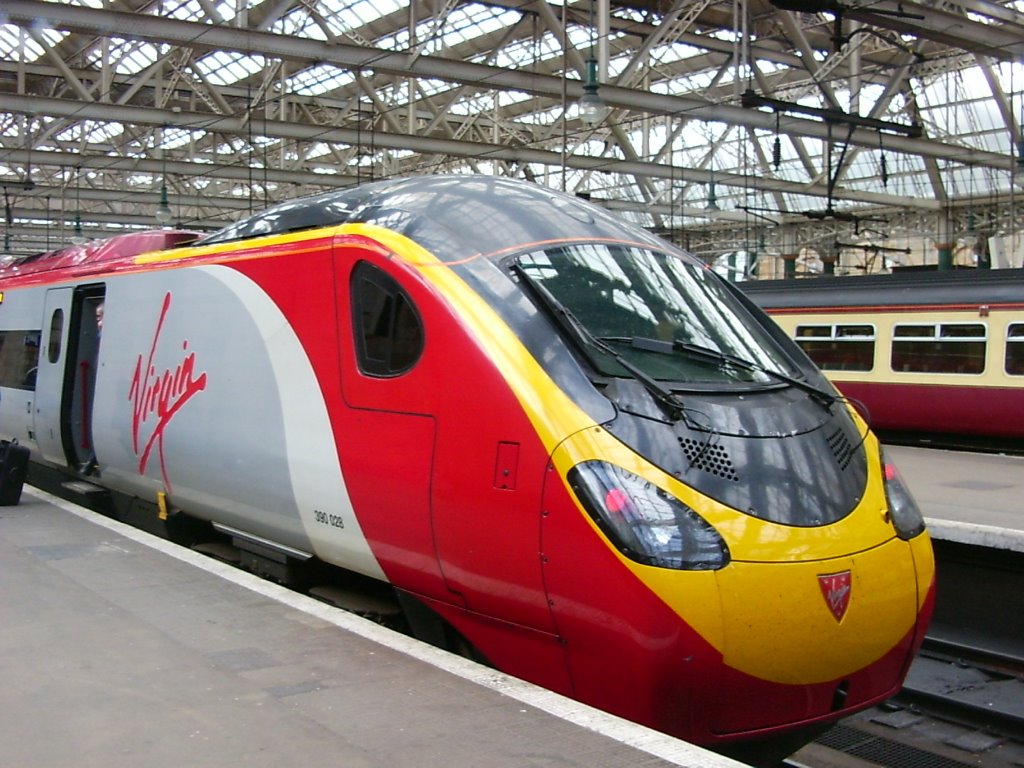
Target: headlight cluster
[[646, 523], [905, 514]]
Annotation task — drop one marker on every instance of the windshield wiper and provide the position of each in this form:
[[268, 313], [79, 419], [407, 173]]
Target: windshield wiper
[[571, 326], [717, 356], [816, 393]]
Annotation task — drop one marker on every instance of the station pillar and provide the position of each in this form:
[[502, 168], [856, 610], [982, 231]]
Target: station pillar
[[945, 255], [789, 265]]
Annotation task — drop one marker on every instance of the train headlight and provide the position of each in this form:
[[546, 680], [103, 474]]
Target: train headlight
[[646, 523], [905, 514]]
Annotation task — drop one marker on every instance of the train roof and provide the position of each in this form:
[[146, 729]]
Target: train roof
[[98, 255], [454, 216], [458, 218], [906, 289]]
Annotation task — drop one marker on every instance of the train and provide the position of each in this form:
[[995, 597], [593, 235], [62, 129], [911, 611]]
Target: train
[[561, 444], [935, 356]]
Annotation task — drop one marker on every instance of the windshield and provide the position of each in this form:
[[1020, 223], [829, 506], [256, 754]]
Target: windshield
[[671, 318]]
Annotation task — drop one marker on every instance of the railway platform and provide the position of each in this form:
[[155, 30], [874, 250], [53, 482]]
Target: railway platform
[[121, 649], [970, 498]]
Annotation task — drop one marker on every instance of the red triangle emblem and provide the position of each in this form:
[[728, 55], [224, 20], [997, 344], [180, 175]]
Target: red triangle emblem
[[835, 587]]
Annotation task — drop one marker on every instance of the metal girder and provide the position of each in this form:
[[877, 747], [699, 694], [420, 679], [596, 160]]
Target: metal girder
[[232, 124], [174, 167], [196, 35], [1001, 98], [943, 26]]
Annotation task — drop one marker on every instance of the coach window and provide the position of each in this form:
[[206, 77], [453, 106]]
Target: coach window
[[388, 331], [19, 355], [56, 333], [839, 347], [939, 348], [1015, 349]]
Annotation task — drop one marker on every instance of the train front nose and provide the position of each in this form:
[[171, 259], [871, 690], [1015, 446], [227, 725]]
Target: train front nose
[[807, 640], [761, 628]]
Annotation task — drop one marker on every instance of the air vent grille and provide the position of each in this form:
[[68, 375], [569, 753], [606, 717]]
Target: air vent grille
[[841, 448], [712, 459]]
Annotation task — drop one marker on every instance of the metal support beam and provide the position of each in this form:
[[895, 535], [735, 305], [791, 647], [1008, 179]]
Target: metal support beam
[[232, 124], [205, 36]]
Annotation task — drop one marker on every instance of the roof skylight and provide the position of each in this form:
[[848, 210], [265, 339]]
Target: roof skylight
[[227, 67]]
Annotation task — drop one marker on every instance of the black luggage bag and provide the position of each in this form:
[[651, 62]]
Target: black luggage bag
[[13, 470]]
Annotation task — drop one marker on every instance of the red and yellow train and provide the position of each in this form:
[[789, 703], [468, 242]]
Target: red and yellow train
[[556, 438], [937, 354]]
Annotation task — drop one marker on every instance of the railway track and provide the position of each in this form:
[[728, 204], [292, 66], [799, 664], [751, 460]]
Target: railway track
[[962, 705], [963, 701], [969, 684]]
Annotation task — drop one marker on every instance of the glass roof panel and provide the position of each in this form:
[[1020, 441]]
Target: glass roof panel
[[508, 98], [192, 10], [320, 79], [543, 117], [128, 57], [299, 23], [318, 150], [536, 49], [473, 20], [173, 138], [12, 47], [397, 41], [91, 132], [227, 67], [342, 16]]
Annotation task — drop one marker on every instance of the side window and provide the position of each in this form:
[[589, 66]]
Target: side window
[[939, 347], [840, 347], [56, 333], [19, 356], [388, 331], [1015, 349]]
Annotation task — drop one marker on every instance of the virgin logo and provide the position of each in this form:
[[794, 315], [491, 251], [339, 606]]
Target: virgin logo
[[835, 588], [157, 396]]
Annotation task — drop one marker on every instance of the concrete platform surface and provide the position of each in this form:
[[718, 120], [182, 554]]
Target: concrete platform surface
[[971, 497], [120, 649]]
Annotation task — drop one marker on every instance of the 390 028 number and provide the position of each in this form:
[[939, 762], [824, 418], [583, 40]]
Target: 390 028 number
[[326, 518]]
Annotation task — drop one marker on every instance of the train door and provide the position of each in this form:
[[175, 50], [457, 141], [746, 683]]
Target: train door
[[66, 379], [387, 443], [442, 462]]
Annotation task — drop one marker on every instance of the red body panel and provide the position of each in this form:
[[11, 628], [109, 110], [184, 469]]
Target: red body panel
[[111, 255], [655, 653], [418, 451], [964, 410], [455, 494]]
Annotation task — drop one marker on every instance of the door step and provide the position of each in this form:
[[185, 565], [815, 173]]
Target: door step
[[83, 487]]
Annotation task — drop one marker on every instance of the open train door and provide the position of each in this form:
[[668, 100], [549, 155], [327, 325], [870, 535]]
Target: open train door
[[67, 374], [50, 376]]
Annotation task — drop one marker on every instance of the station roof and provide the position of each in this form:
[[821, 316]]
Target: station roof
[[721, 114]]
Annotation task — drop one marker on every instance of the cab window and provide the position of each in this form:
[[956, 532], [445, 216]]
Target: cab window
[[387, 327]]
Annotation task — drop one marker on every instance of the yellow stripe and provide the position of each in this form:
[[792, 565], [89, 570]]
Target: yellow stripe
[[242, 249]]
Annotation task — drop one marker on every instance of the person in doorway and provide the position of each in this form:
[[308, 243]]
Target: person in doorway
[[90, 466]]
